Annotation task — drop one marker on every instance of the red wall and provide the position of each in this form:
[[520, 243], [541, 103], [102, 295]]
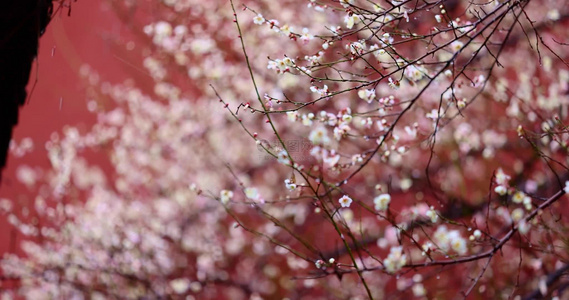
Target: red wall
[[91, 35]]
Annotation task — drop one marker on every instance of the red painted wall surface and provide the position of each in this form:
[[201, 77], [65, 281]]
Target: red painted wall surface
[[90, 35]]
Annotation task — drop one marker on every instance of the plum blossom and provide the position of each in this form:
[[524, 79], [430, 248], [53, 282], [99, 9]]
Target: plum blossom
[[226, 196], [283, 157], [345, 201], [351, 20], [258, 19], [367, 95], [252, 193], [395, 260], [432, 214], [290, 184], [456, 46], [382, 202], [319, 136]]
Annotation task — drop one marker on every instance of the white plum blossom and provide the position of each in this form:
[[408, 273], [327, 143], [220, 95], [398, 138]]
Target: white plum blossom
[[286, 30], [306, 36], [292, 116], [394, 84], [340, 131], [456, 46], [395, 259], [477, 234], [517, 214], [457, 242], [252, 193], [345, 201], [367, 95], [330, 158], [501, 190], [351, 20], [180, 285], [290, 184], [357, 48], [414, 73], [433, 114], [441, 237], [322, 92], [258, 19], [225, 196], [523, 226], [319, 136], [382, 202], [501, 177], [519, 197], [306, 120], [432, 214], [283, 157]]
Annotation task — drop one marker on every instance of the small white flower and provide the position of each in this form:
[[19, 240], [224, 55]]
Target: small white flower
[[553, 15], [395, 260], [566, 188], [419, 290], [457, 243], [351, 21], [527, 203], [283, 157], [461, 104], [456, 46], [411, 131], [501, 190], [180, 285], [382, 202], [523, 227], [252, 193], [306, 120], [286, 29], [288, 61], [367, 95], [427, 247], [441, 237], [357, 48], [518, 197], [319, 136], [434, 114], [432, 214], [292, 116], [340, 131], [345, 201], [517, 214], [163, 29], [330, 158], [290, 185], [477, 233], [414, 73], [258, 19], [225, 196], [501, 177], [306, 36]]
